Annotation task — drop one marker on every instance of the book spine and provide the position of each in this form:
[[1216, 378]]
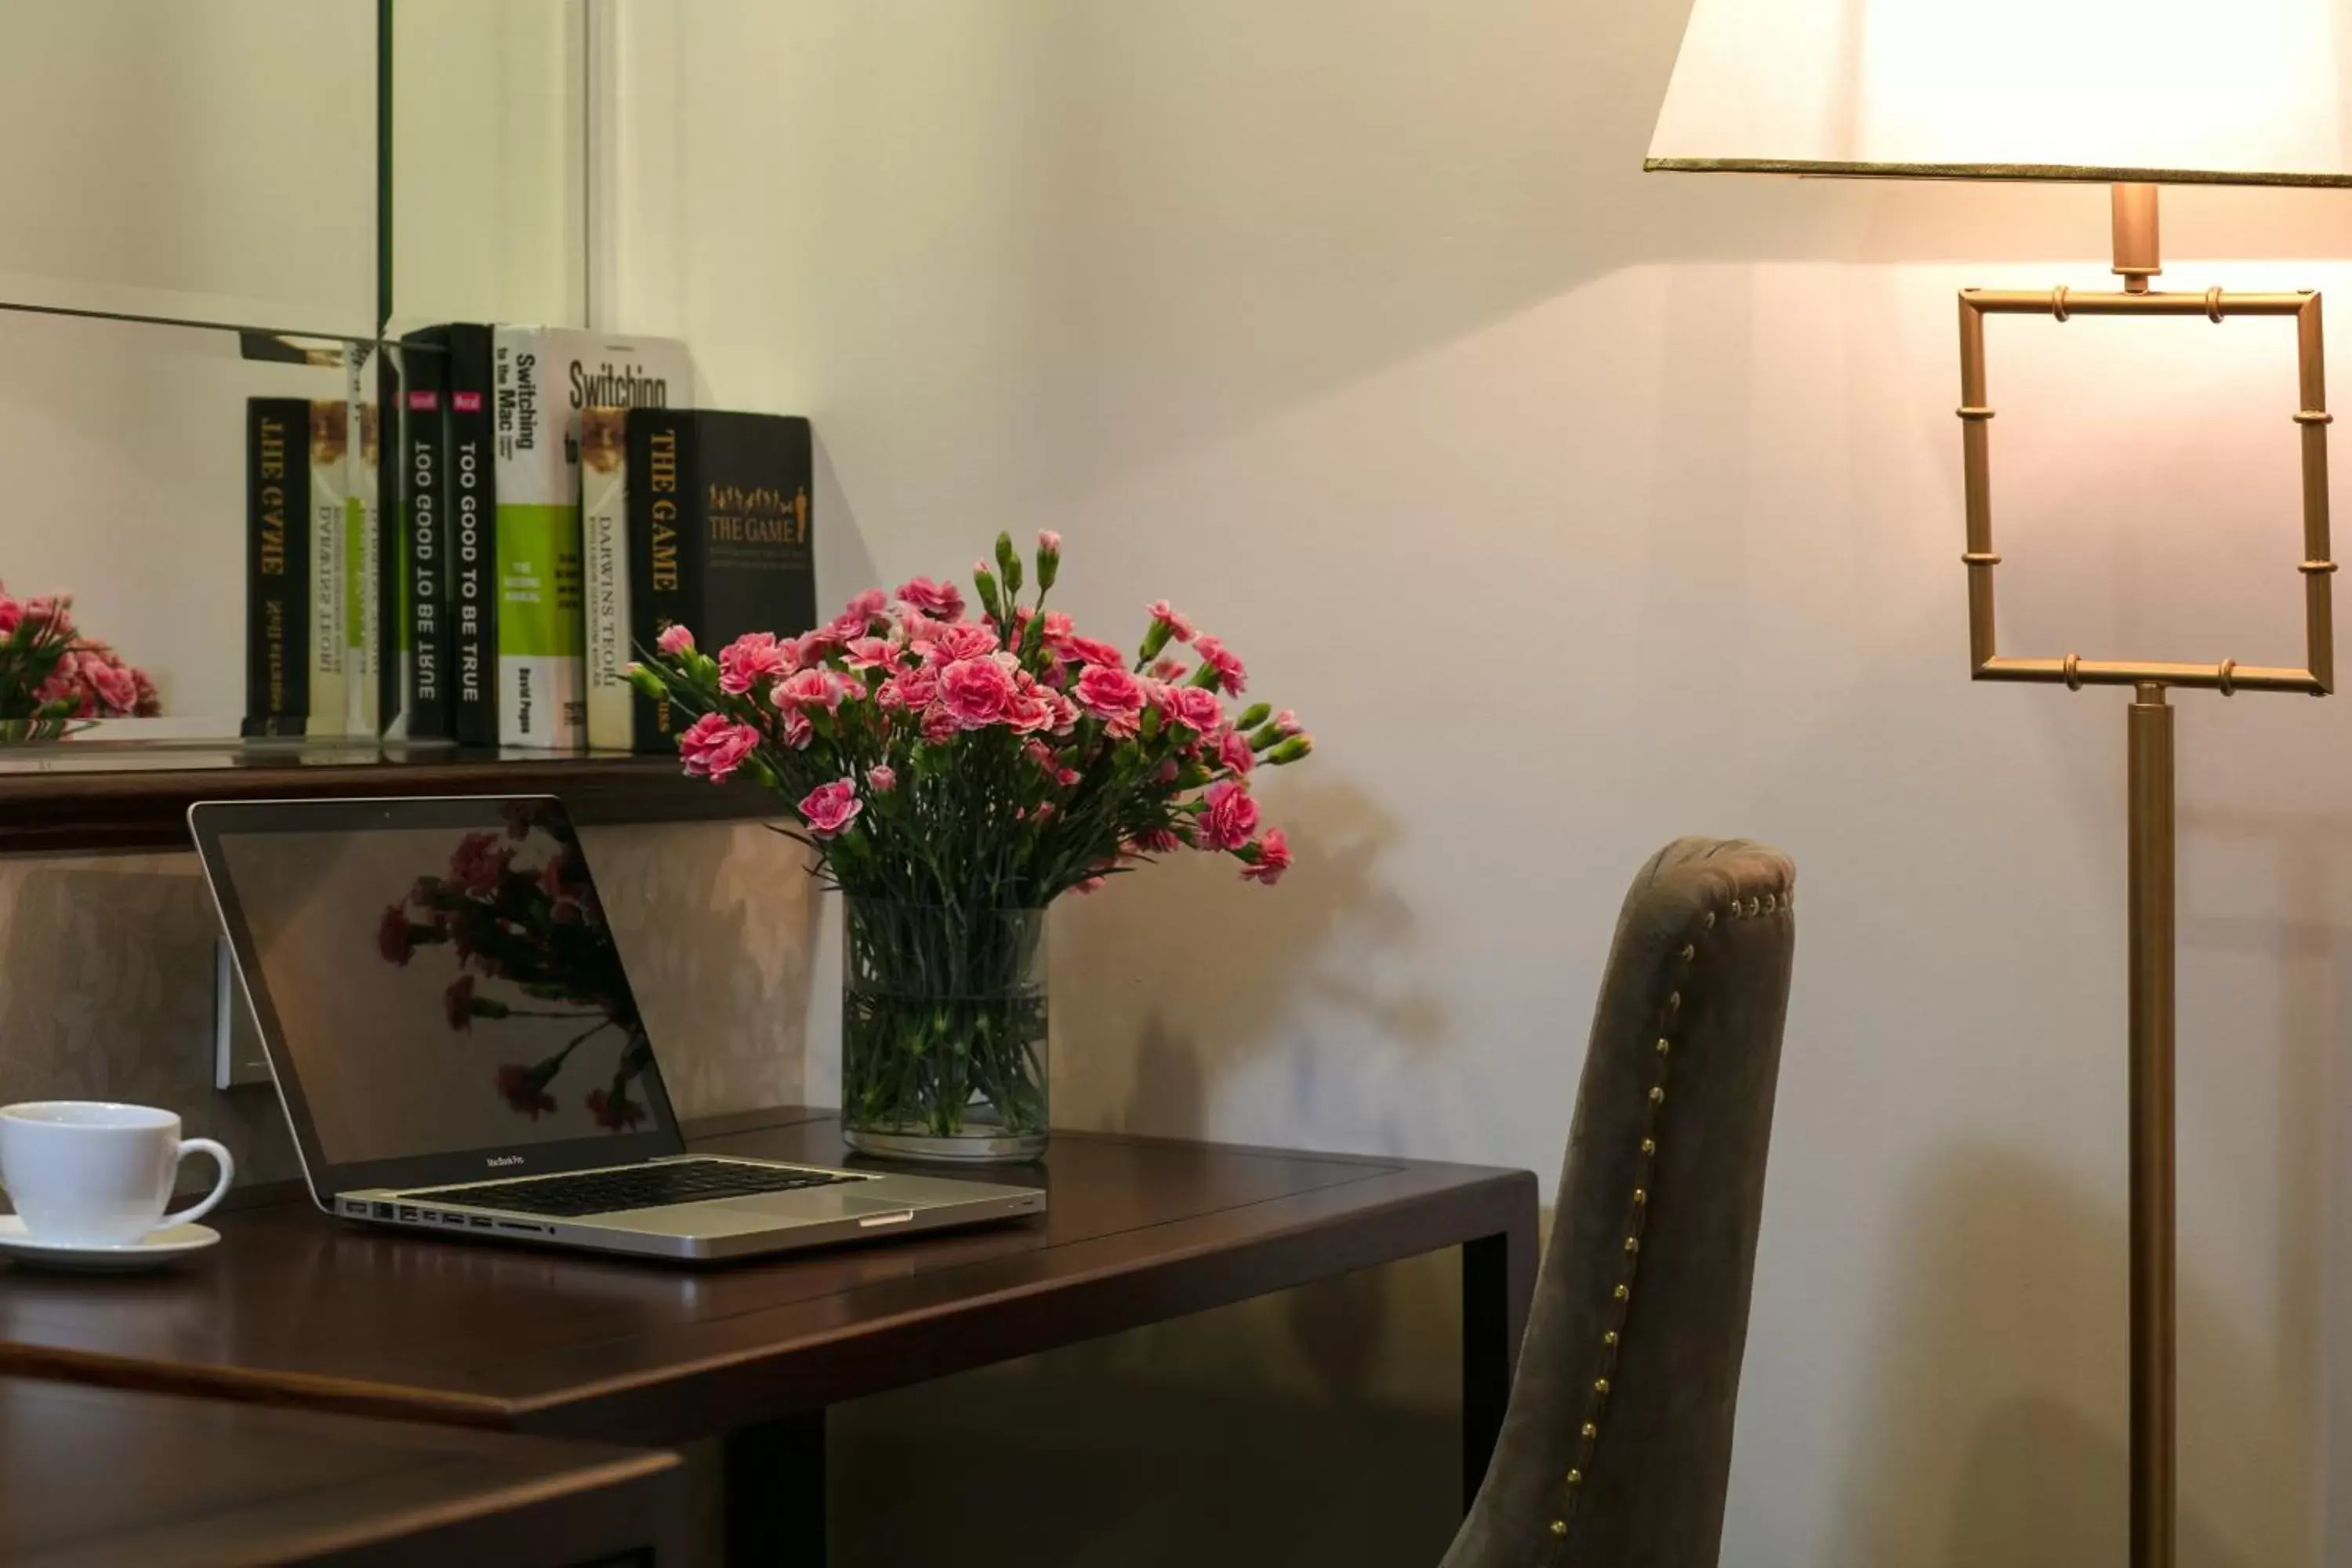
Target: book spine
[[365, 564], [330, 692], [394, 679], [278, 565], [424, 444], [604, 525], [471, 509], [663, 553], [546, 377]]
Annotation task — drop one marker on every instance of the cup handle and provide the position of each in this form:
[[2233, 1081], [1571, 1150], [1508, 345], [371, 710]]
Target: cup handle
[[220, 1189]]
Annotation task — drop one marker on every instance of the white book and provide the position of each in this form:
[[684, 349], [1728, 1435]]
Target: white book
[[545, 378], [603, 530]]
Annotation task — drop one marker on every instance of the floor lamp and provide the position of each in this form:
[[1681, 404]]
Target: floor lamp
[[2132, 94]]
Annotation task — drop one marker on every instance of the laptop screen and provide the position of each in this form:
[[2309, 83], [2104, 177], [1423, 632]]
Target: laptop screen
[[438, 976]]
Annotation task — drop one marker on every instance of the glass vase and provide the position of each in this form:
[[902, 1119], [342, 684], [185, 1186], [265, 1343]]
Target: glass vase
[[943, 1031]]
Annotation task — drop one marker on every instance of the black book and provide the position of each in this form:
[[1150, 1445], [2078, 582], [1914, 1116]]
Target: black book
[[471, 509], [719, 537], [425, 465], [277, 565]]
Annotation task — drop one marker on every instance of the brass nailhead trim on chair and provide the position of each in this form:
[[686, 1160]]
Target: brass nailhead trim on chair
[[1636, 1212]]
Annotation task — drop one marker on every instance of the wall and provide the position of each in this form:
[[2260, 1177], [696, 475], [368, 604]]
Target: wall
[[1574, 509]]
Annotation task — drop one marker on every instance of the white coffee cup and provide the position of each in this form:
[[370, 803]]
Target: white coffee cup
[[89, 1174]]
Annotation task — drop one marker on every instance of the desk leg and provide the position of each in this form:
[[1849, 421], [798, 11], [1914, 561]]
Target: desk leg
[[775, 1493], [1498, 1275]]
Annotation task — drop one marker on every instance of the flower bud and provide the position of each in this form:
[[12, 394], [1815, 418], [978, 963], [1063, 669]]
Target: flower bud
[[985, 580], [1290, 751], [1153, 641], [1009, 564], [1049, 558], [1253, 715]]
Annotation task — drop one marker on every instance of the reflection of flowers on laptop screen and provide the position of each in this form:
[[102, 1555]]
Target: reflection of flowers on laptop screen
[[517, 913], [450, 984]]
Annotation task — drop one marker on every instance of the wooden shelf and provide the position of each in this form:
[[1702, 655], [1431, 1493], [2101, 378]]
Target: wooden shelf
[[141, 803]]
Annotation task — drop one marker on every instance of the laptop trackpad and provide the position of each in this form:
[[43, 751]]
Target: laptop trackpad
[[812, 1205]]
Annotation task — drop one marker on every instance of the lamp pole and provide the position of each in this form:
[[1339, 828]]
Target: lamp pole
[[2153, 1366]]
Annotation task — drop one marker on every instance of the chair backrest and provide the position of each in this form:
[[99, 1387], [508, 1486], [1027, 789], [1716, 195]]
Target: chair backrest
[[1617, 1444]]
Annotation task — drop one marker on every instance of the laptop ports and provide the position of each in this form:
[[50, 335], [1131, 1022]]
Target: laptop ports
[[383, 1211]]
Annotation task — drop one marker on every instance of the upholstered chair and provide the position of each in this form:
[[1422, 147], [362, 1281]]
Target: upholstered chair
[[1617, 1443]]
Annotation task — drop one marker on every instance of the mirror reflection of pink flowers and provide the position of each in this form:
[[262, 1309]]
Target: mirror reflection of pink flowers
[[534, 928], [994, 764], [53, 676]]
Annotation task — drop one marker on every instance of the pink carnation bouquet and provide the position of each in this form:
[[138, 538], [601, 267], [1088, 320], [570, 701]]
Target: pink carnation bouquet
[[51, 675], [976, 769]]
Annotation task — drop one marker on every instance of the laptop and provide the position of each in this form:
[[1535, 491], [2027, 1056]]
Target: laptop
[[459, 1049]]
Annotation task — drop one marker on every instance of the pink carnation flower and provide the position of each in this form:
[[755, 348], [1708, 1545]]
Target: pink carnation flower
[[674, 640], [1287, 723], [1273, 858], [714, 746], [866, 606], [963, 640], [1230, 673], [1049, 542], [881, 778], [1087, 650], [807, 689], [1231, 816], [1178, 627], [829, 808], [940, 726], [1112, 695], [868, 653], [976, 692], [1155, 841], [944, 600], [1194, 707], [794, 730], [909, 690], [1233, 750], [753, 658]]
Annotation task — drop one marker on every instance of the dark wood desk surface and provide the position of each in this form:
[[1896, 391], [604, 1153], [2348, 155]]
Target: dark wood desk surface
[[298, 1308], [96, 1478]]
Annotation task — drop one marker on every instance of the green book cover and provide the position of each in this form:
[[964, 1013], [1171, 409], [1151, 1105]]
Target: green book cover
[[362, 631], [546, 378], [330, 480]]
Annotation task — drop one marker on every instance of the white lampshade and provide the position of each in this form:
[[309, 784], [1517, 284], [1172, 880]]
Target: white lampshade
[[2230, 91]]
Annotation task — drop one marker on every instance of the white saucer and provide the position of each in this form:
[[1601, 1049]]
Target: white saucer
[[149, 1251]]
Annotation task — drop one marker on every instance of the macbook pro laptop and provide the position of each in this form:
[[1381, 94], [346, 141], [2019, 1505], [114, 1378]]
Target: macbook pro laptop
[[459, 1049]]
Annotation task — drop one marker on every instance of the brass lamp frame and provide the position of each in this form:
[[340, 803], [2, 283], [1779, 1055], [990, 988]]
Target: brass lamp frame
[[2153, 1457]]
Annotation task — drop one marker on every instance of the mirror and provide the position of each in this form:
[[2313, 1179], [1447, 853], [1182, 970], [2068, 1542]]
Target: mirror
[[195, 195]]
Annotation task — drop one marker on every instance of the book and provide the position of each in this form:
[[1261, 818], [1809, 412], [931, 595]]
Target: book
[[547, 377], [720, 535], [363, 559], [393, 678], [605, 570], [277, 565], [329, 439], [470, 509], [424, 446]]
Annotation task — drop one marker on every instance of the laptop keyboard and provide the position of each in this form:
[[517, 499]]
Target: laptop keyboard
[[636, 1187]]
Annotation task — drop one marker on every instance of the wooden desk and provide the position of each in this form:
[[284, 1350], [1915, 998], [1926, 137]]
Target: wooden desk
[[97, 1477], [294, 1307]]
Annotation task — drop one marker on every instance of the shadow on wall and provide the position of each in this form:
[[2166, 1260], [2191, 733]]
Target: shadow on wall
[[1943, 1477], [107, 993], [1181, 975], [718, 926]]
